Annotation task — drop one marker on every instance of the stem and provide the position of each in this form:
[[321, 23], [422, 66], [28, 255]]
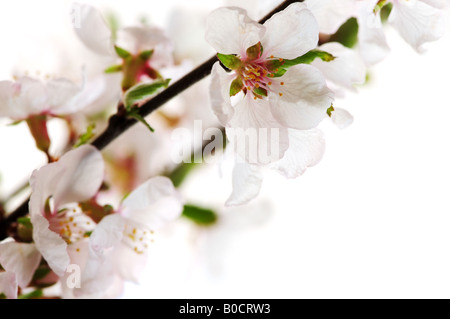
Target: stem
[[118, 124]]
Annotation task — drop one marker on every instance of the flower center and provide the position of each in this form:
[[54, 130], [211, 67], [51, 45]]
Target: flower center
[[137, 238], [71, 224]]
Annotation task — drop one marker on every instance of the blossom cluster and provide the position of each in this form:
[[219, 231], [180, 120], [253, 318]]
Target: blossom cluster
[[91, 217]]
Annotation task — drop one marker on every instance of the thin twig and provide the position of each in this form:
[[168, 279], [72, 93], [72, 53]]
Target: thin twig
[[119, 124]]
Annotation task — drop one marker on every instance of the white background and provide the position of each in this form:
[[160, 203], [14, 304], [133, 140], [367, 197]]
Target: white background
[[370, 221]]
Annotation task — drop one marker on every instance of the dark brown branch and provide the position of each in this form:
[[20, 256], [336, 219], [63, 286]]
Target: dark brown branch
[[119, 124]]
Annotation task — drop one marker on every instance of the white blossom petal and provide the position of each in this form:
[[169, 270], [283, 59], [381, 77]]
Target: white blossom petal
[[341, 118], [220, 93], [372, 41], [231, 31], [346, 69], [153, 203], [291, 32], [144, 38], [247, 181], [306, 149], [76, 177], [5, 96], [21, 259], [107, 235], [8, 284], [331, 14], [305, 98], [417, 22], [92, 30], [60, 93], [52, 247], [255, 134]]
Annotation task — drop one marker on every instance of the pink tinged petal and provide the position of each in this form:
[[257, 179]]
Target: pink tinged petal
[[76, 177], [255, 134], [26, 97], [107, 235], [21, 259], [220, 93], [139, 39], [331, 14], [153, 204], [128, 264], [52, 247], [341, 118], [291, 32], [6, 91], [60, 94], [306, 149], [230, 31], [417, 22], [92, 30], [345, 70], [439, 4], [8, 285], [247, 181], [305, 98], [372, 41]]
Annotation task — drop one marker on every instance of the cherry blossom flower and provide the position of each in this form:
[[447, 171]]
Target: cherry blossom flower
[[297, 99], [118, 247], [417, 21], [144, 49], [56, 190], [27, 97]]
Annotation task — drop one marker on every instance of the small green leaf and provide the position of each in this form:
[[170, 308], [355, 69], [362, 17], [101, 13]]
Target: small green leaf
[[3, 296], [88, 234], [309, 57], [330, 110], [236, 86], [142, 91], [230, 61], [86, 136], [347, 34], [198, 215], [124, 54], [278, 73], [134, 113], [40, 273], [254, 52], [114, 69], [145, 55], [260, 91], [26, 222], [385, 12], [32, 295]]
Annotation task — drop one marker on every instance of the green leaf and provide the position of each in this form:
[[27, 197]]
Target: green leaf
[[86, 136], [330, 110], [254, 52], [41, 272], [230, 61], [114, 69], [273, 65], [236, 86], [347, 34], [385, 12], [198, 215], [32, 295], [3, 296], [380, 4], [134, 114], [309, 57], [260, 91], [142, 91], [124, 54], [145, 55], [25, 221]]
